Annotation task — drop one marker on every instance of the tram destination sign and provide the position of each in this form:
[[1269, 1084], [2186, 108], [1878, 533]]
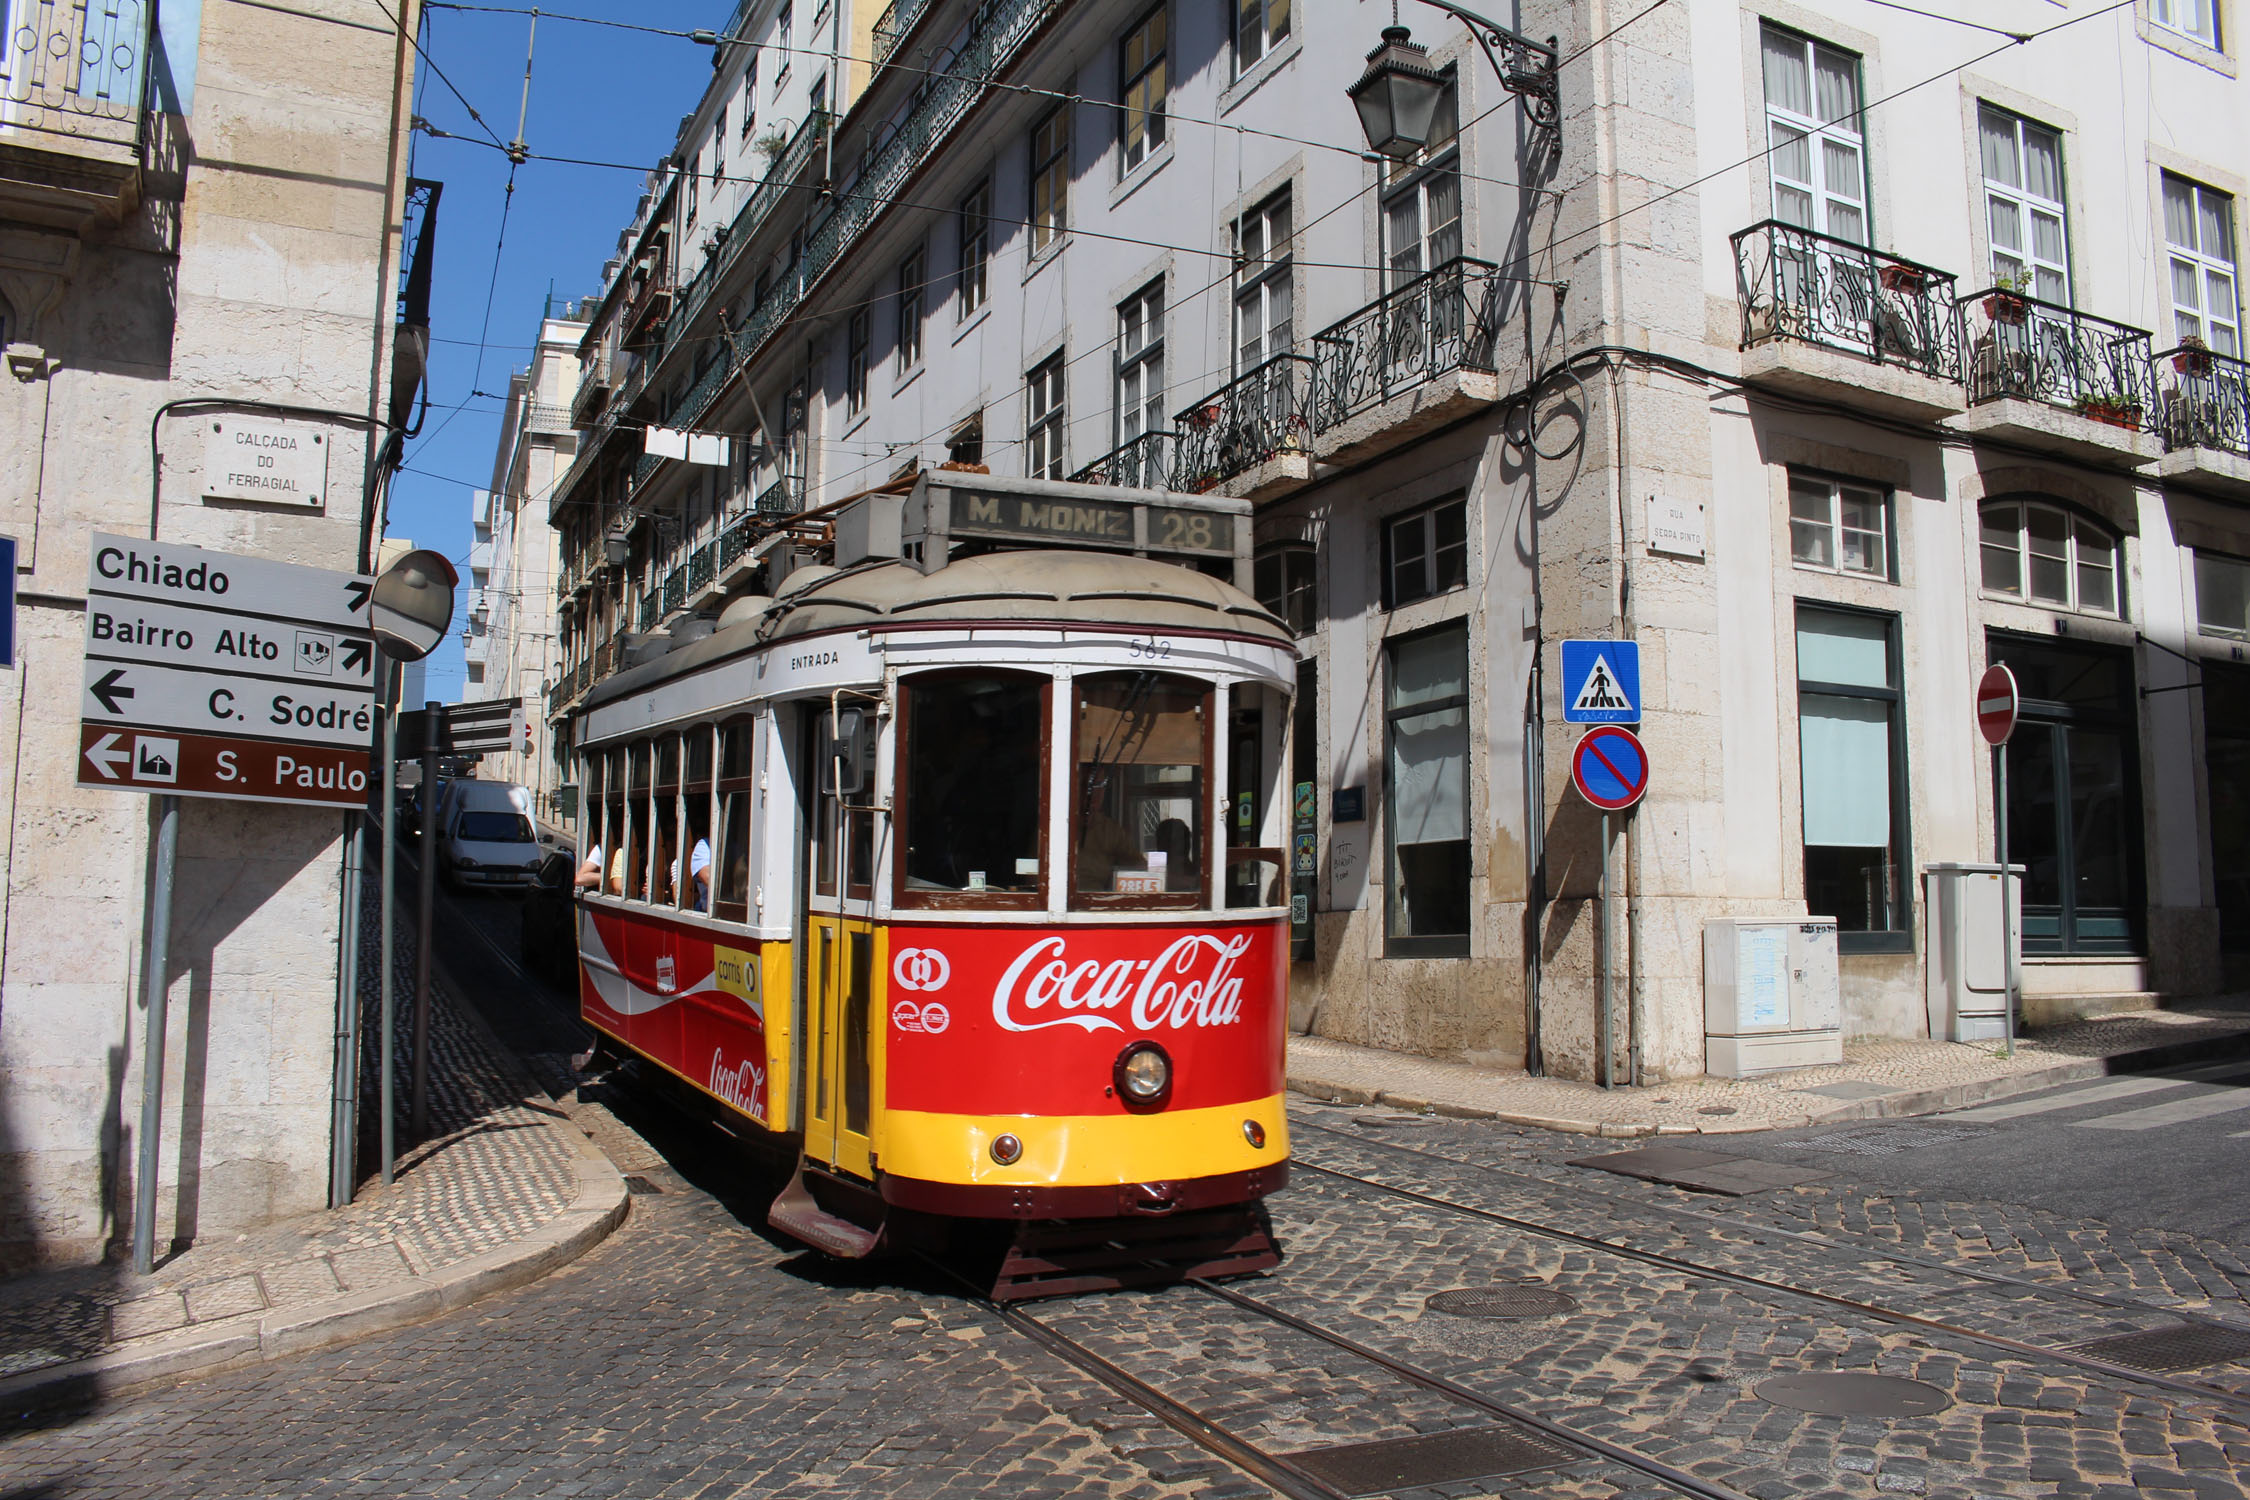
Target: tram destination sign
[[213, 675], [1071, 521]]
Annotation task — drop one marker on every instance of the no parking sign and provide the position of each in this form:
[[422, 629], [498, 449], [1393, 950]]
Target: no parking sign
[[1610, 768]]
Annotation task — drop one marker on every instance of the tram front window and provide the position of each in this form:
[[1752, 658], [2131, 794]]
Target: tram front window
[[974, 784], [1137, 826]]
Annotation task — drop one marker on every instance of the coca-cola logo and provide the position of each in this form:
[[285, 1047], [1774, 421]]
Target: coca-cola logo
[[743, 1086], [1191, 983]]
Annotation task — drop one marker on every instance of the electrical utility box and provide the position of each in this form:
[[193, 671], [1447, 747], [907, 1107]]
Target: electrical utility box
[[1967, 971], [1771, 998]]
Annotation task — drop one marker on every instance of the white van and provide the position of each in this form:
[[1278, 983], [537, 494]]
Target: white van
[[484, 838]]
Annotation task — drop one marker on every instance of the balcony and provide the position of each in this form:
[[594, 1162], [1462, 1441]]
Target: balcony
[[546, 418], [1140, 463], [1411, 361], [73, 86], [2203, 406], [646, 615], [1252, 437], [1835, 321], [593, 390], [703, 588], [893, 24], [734, 560], [2053, 378], [784, 497]]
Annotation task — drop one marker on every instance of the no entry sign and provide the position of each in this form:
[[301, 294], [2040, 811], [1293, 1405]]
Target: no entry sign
[[1997, 704], [1610, 768]]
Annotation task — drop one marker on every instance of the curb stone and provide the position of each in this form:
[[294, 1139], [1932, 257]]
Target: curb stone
[[1902, 1105], [256, 1337]]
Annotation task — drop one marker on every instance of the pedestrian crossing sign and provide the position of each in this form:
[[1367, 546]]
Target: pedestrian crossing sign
[[1601, 682]]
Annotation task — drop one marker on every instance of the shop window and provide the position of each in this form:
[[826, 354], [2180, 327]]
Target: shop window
[[973, 811], [2043, 554], [1425, 552], [2222, 595], [1843, 527], [1852, 764], [1141, 751], [1282, 578], [1426, 773]]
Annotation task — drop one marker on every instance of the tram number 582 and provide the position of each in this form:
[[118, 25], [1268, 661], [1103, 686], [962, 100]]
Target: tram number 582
[[1150, 649]]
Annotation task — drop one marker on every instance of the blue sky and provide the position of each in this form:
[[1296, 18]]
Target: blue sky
[[597, 93]]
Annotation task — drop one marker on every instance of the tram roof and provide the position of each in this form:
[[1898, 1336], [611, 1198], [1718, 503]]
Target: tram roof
[[1042, 588]]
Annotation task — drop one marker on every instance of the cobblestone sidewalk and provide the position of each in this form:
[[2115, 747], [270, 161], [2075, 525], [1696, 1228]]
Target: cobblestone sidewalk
[[1876, 1078], [502, 1191]]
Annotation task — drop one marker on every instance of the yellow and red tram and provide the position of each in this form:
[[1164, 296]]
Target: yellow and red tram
[[966, 883]]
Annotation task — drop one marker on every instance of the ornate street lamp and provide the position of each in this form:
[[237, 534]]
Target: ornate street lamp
[[1397, 97]]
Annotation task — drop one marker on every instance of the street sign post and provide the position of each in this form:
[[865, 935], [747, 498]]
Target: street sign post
[[1998, 704], [1601, 682], [1610, 769], [212, 675], [7, 601]]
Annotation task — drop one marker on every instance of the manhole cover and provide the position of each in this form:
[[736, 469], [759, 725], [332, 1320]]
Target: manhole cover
[[1829, 1394], [1436, 1458], [1521, 1299], [2188, 1346], [1887, 1140]]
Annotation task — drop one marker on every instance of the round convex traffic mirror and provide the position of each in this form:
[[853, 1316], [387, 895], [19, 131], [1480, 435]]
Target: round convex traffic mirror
[[412, 605]]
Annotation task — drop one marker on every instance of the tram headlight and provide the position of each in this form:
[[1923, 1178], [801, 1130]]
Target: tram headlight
[[1143, 1075]]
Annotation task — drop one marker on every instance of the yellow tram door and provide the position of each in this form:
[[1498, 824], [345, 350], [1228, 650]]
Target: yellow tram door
[[844, 962]]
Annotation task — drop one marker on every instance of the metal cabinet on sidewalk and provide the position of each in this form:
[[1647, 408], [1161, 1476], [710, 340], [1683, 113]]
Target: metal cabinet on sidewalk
[[1967, 966], [1771, 996]]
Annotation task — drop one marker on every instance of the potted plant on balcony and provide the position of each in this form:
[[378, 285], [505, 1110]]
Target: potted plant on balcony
[[1904, 279], [2004, 303], [2110, 408], [770, 145], [2193, 356]]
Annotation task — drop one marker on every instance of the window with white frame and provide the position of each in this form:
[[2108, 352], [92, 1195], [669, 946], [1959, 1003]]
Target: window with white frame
[[976, 246], [2191, 18], [1259, 27], [1263, 273], [2222, 595], [1043, 433], [782, 24], [856, 341], [1422, 209], [750, 93], [2023, 204], [1841, 526], [1050, 178], [2199, 242], [1426, 552], [910, 279], [1141, 84], [1817, 154], [1283, 579], [1140, 363], [694, 178], [2043, 554]]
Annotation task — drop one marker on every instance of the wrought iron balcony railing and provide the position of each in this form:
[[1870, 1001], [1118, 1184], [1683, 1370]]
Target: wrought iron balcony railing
[[1441, 321], [784, 497], [1243, 423], [702, 565], [1140, 463], [675, 590], [735, 541], [647, 612], [1792, 283], [893, 24], [73, 71], [2021, 347], [2203, 399]]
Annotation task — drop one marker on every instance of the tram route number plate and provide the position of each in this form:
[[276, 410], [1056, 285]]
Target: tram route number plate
[[1088, 523]]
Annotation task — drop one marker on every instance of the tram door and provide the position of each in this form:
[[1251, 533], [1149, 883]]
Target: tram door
[[842, 961]]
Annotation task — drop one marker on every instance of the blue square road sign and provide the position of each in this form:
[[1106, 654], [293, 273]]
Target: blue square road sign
[[1601, 682]]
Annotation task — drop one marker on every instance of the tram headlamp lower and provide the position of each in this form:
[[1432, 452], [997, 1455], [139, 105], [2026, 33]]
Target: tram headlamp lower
[[1143, 1075], [1007, 1150]]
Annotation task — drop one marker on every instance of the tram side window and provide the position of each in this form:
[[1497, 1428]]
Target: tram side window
[[974, 782], [732, 857], [590, 808], [665, 819], [1140, 785], [616, 852], [637, 829], [695, 813]]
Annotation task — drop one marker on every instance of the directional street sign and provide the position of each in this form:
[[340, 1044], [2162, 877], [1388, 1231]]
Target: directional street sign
[[1997, 704], [484, 727], [214, 675], [1601, 682], [1609, 768]]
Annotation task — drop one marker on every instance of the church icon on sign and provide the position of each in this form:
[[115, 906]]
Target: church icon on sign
[[156, 759]]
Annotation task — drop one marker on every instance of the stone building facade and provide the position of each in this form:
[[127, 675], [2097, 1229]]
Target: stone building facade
[[199, 207], [1828, 353]]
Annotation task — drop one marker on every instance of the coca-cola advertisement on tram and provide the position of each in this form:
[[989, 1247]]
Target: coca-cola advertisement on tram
[[693, 1005], [1012, 1020]]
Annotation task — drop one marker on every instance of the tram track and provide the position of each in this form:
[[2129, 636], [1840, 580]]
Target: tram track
[[1677, 1265], [1819, 1239], [1277, 1470]]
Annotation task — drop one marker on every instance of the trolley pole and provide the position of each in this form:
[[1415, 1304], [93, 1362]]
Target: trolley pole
[[426, 909], [154, 975]]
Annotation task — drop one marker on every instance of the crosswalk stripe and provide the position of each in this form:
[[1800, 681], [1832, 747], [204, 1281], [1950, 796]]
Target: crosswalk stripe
[[2173, 1112], [2098, 1093]]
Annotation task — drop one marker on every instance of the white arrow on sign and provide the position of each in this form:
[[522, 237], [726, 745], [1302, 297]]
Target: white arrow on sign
[[171, 573], [105, 758]]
